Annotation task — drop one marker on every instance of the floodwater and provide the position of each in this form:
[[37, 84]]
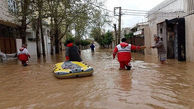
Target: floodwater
[[148, 85]]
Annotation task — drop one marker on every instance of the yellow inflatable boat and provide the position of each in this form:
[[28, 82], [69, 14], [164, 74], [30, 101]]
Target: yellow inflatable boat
[[72, 69]]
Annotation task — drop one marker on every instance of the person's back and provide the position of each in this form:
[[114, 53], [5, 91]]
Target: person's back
[[72, 53], [92, 47], [123, 52], [23, 54]]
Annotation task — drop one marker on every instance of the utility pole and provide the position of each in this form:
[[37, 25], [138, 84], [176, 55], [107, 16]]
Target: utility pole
[[119, 23], [119, 36], [116, 39]]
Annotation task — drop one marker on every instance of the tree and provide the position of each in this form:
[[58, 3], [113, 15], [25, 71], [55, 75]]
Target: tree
[[96, 34], [129, 35], [108, 38], [30, 12], [64, 16], [67, 13], [104, 39], [38, 11], [22, 16]]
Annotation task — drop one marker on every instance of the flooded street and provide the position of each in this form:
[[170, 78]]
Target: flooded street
[[148, 85]]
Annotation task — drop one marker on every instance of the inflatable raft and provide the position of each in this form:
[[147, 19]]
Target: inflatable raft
[[72, 69]]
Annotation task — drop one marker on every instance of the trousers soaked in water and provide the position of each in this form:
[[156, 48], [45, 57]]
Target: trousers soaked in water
[[148, 85]]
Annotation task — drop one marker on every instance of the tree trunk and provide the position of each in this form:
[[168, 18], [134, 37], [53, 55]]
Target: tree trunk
[[24, 25], [23, 31], [57, 41], [38, 39], [52, 50], [56, 46], [51, 36], [61, 47], [41, 27], [42, 38]]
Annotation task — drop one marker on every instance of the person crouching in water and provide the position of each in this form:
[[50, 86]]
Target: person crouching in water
[[123, 52], [23, 55], [161, 50], [72, 52]]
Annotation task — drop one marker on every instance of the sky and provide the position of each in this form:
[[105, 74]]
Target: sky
[[128, 20]]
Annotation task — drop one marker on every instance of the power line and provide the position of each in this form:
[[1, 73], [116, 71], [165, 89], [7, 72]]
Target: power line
[[111, 16], [134, 14], [101, 7], [135, 10]]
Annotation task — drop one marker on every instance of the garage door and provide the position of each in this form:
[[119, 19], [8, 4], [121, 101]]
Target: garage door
[[8, 45]]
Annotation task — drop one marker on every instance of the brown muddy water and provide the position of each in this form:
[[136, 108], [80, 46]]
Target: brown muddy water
[[148, 85]]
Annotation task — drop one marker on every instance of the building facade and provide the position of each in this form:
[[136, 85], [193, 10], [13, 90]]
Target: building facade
[[8, 27], [10, 40], [31, 39], [189, 27], [172, 20]]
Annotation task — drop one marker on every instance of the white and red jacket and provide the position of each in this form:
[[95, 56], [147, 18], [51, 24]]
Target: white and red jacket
[[123, 51], [23, 54]]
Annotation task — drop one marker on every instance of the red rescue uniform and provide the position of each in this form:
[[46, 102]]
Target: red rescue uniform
[[123, 51], [23, 55]]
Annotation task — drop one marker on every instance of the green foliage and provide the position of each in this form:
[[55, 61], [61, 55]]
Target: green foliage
[[84, 42], [104, 39], [108, 38], [127, 36], [78, 43], [64, 16], [96, 34]]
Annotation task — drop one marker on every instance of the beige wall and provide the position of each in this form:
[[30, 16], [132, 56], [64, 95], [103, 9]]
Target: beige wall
[[18, 44], [153, 30], [149, 32], [147, 40], [189, 29], [4, 12]]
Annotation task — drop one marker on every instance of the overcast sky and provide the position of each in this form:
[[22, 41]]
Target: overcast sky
[[127, 20]]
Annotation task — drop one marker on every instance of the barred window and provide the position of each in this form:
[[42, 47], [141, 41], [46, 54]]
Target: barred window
[[12, 5]]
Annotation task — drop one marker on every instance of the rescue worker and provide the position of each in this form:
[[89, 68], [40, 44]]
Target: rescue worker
[[23, 55], [72, 52], [123, 52]]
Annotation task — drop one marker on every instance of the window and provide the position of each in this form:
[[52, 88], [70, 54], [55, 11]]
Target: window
[[12, 5], [161, 31]]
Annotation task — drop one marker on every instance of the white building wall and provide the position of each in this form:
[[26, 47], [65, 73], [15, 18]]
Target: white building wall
[[32, 44], [4, 12], [169, 9], [190, 6], [18, 44], [189, 27]]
